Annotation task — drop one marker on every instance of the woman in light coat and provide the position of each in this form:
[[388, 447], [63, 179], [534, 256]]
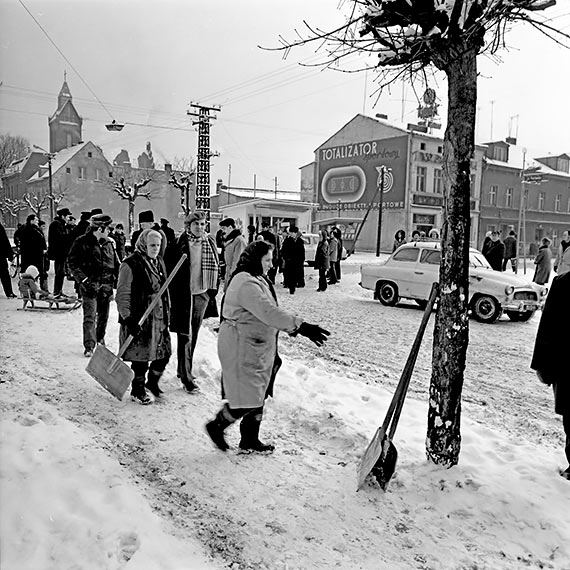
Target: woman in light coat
[[141, 276], [247, 347], [323, 259], [543, 262]]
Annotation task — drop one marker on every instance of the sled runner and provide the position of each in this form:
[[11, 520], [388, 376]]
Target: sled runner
[[381, 454], [109, 370], [50, 303]]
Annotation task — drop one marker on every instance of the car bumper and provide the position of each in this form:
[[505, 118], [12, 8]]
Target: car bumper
[[521, 306]]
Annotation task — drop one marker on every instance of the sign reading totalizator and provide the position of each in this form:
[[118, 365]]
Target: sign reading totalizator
[[349, 174]]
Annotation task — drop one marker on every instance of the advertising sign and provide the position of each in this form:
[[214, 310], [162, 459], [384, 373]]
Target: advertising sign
[[349, 175]]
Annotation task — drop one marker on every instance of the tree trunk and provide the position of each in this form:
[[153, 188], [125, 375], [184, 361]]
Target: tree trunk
[[451, 332], [131, 217]]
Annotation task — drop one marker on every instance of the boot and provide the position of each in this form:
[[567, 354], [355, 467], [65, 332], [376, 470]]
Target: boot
[[217, 426], [249, 429], [152, 383], [138, 392]]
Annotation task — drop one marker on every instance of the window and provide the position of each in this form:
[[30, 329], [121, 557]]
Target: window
[[438, 181], [493, 195], [563, 164], [111, 174], [408, 254], [422, 146], [89, 155], [81, 173], [97, 175], [68, 169], [431, 256], [557, 202], [541, 199], [421, 172], [440, 149], [555, 238], [471, 184], [509, 198], [568, 208], [500, 153]]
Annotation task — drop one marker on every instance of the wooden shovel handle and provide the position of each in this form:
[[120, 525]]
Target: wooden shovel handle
[[397, 402], [153, 304]]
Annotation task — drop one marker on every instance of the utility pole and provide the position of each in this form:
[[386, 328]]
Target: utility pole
[[204, 154], [49, 157], [382, 186], [521, 209]]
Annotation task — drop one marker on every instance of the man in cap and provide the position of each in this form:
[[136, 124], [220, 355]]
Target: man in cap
[[146, 222], [234, 244], [94, 265], [190, 290], [59, 242]]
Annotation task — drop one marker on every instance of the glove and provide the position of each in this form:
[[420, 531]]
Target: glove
[[132, 326], [313, 332]]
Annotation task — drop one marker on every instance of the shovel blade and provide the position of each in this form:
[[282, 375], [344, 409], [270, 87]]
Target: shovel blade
[[386, 464], [110, 371]]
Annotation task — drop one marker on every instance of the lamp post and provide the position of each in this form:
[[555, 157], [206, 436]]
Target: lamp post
[[49, 156], [382, 186]]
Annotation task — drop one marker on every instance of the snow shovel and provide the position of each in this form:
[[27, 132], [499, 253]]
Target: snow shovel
[[109, 370], [381, 454]]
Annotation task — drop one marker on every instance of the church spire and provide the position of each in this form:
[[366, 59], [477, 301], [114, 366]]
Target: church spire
[[64, 93]]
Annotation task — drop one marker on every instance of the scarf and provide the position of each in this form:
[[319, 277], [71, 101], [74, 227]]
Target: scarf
[[209, 264]]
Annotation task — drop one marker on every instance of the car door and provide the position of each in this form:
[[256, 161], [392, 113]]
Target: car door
[[426, 272], [401, 268]]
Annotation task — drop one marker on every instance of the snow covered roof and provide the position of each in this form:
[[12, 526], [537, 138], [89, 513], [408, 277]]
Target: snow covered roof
[[520, 157]]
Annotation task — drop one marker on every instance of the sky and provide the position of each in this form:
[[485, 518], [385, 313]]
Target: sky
[[142, 63]]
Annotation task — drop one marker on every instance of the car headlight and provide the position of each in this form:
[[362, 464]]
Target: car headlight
[[543, 292], [509, 290]]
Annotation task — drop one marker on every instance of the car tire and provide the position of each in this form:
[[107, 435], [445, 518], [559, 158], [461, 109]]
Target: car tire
[[518, 317], [486, 309], [387, 293]]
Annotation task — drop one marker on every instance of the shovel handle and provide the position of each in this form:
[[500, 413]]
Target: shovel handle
[[153, 304], [393, 414]]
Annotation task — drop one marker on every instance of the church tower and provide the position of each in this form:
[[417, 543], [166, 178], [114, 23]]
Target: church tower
[[65, 124]]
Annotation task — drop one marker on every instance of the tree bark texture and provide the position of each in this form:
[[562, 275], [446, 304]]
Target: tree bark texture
[[131, 217], [451, 332]]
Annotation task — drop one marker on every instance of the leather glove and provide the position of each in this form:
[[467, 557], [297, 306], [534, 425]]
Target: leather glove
[[313, 332], [132, 326]]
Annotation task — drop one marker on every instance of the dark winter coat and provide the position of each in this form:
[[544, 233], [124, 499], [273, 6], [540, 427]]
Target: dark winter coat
[[273, 239], [543, 264], [322, 256], [93, 264], [59, 239], [510, 247], [551, 346], [495, 254], [6, 251], [137, 287], [32, 247], [179, 288], [120, 244], [293, 256]]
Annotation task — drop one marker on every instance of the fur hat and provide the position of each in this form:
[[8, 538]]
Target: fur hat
[[195, 216], [32, 271], [146, 216], [100, 221], [64, 212]]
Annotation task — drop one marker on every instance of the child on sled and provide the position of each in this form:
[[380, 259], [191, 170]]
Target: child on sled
[[28, 286]]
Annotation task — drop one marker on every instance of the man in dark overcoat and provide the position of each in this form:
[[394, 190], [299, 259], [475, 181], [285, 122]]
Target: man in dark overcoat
[[550, 358], [33, 248], [6, 254], [59, 242]]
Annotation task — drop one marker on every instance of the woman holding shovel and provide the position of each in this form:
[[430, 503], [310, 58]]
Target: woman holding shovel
[[247, 347], [141, 276]]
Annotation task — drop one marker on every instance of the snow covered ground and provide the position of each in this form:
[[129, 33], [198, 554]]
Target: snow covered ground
[[87, 482]]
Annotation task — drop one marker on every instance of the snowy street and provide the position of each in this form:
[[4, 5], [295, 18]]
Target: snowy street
[[89, 482]]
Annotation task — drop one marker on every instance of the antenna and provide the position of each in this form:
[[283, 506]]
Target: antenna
[[492, 105]]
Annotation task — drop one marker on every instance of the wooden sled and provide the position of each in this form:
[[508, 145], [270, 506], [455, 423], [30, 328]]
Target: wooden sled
[[51, 303]]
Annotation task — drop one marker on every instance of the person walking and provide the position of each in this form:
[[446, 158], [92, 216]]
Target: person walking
[[495, 252], [269, 236], [510, 251], [6, 255], [141, 275], [247, 347], [562, 263], [120, 239], [189, 291], [543, 262], [59, 243], [322, 259], [293, 256], [333, 253], [338, 235], [94, 265], [234, 244], [399, 239], [33, 248], [549, 356]]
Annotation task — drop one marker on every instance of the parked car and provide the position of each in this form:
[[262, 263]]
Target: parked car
[[410, 271]]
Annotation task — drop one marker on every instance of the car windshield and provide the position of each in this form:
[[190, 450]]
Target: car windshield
[[477, 259], [406, 254]]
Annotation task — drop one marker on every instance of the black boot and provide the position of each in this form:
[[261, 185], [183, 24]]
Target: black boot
[[217, 426], [249, 429], [138, 392], [152, 383]]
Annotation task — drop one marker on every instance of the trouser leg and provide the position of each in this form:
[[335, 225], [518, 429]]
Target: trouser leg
[[89, 316], [5, 278], [337, 269], [199, 304], [155, 372], [183, 357], [323, 279], [103, 303], [59, 275], [138, 391]]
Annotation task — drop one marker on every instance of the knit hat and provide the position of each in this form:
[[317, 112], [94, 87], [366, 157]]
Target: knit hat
[[195, 216], [32, 271], [100, 221], [146, 216]]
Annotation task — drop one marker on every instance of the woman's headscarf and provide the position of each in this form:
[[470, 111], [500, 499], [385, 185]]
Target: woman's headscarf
[[142, 241]]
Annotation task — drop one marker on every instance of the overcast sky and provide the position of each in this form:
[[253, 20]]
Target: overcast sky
[[146, 60]]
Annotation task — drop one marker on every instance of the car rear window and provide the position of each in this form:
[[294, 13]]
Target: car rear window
[[408, 254], [431, 256]]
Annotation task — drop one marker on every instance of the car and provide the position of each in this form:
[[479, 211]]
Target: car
[[410, 271]]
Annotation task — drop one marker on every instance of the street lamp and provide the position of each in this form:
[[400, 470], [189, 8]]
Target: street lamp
[[114, 126], [49, 156]]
